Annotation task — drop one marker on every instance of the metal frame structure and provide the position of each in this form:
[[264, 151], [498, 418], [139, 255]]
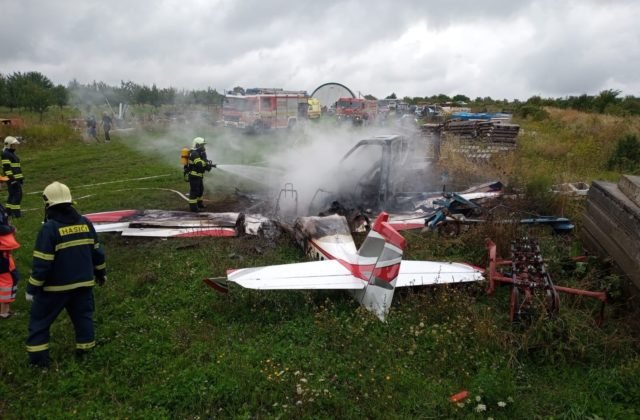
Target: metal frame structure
[[529, 276]]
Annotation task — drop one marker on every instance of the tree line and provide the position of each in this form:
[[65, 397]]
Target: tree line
[[607, 101], [35, 92]]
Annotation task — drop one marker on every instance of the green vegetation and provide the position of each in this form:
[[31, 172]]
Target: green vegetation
[[169, 347]]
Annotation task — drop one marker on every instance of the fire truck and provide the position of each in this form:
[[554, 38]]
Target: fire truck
[[263, 109], [357, 110]]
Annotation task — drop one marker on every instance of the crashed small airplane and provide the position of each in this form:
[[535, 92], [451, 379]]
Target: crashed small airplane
[[371, 274]]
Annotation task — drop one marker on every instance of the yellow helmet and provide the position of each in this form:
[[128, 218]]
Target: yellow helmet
[[9, 140], [198, 142], [56, 193]]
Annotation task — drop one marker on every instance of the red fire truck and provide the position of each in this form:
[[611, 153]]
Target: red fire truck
[[265, 109], [357, 110]]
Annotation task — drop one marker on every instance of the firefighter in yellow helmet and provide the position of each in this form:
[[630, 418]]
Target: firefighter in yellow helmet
[[67, 262], [197, 165], [12, 170]]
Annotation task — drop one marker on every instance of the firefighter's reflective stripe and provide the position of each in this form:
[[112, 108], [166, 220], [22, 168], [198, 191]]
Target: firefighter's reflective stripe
[[13, 206], [15, 164], [39, 347], [8, 173], [35, 282], [44, 256], [77, 242], [71, 286], [86, 346], [18, 176], [101, 266], [194, 173]]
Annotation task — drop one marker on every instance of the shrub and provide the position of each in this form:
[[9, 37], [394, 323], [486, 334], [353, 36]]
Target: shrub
[[626, 155]]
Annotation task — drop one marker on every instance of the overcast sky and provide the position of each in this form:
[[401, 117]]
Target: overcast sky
[[498, 48]]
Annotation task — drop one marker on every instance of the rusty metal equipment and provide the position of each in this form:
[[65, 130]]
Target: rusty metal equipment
[[528, 276]]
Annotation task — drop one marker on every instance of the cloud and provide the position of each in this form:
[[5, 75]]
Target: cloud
[[497, 48]]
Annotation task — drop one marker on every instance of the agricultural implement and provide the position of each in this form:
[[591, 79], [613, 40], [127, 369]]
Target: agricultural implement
[[530, 281]]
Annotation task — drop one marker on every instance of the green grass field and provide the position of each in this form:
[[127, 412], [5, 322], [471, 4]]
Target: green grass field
[[169, 347]]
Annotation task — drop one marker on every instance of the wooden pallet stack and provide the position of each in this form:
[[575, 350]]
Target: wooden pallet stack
[[612, 223]]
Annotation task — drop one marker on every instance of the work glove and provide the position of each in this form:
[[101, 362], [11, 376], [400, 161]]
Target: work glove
[[29, 297], [100, 281]]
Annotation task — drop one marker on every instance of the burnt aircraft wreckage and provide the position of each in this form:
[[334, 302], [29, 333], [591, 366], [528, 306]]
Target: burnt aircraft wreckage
[[390, 173]]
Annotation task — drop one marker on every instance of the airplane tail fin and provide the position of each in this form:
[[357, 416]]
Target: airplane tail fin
[[380, 255]]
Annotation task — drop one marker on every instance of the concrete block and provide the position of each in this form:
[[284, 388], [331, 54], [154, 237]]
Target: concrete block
[[630, 186]]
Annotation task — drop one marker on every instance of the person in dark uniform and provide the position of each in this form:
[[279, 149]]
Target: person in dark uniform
[[196, 167], [106, 125], [67, 262], [91, 128], [12, 170]]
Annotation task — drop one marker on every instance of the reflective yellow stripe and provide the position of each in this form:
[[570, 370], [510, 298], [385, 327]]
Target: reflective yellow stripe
[[194, 173], [40, 347], [15, 165], [77, 242], [35, 282], [18, 176], [8, 173], [13, 206], [71, 286], [197, 160], [6, 162], [194, 201], [101, 266], [85, 346], [43, 256]]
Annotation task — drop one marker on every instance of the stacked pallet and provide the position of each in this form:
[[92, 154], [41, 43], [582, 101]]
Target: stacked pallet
[[493, 131], [612, 223]]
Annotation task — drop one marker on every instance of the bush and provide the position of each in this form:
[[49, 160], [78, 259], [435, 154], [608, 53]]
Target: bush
[[626, 155]]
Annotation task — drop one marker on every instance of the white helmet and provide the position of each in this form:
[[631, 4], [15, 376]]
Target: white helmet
[[198, 142], [9, 140], [56, 193]]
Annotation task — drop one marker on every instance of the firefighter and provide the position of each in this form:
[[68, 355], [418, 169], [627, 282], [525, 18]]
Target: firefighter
[[67, 262], [12, 170], [196, 167]]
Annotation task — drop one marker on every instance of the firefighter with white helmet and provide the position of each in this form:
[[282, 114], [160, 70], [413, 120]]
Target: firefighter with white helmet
[[67, 262], [13, 171], [197, 165]]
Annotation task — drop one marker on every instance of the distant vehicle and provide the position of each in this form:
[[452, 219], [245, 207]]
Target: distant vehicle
[[269, 109], [356, 110], [315, 110]]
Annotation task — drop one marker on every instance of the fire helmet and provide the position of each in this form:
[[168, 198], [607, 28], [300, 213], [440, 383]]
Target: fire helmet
[[198, 142], [56, 193], [9, 140]]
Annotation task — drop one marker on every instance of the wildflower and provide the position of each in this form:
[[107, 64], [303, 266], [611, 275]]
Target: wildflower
[[502, 404], [460, 404], [509, 399], [422, 325], [298, 402], [478, 398], [480, 408]]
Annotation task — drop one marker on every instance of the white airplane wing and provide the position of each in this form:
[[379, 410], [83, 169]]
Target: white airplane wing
[[328, 274], [424, 273]]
